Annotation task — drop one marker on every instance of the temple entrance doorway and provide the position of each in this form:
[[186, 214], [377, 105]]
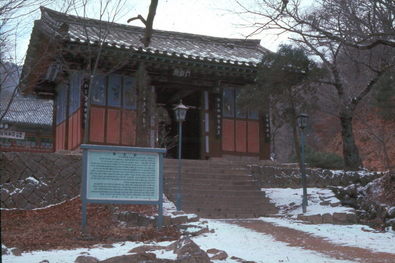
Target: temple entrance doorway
[[167, 99]]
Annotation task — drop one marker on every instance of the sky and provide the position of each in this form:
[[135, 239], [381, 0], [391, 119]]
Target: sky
[[206, 17]]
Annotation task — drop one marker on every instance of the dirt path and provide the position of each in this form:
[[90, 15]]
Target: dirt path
[[304, 240]]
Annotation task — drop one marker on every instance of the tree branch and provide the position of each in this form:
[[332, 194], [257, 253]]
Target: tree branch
[[366, 90], [146, 40], [139, 17]]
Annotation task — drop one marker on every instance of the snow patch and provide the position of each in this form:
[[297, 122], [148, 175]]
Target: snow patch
[[251, 245], [98, 251], [33, 180], [320, 201], [45, 207], [347, 235], [16, 191], [169, 209]]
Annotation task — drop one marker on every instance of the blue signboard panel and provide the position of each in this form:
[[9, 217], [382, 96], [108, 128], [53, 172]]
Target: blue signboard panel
[[116, 175], [122, 175]]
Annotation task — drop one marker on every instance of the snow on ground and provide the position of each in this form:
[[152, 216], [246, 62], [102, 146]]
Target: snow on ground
[[320, 201], [240, 242], [349, 235], [169, 209], [234, 240], [251, 245], [99, 252], [33, 180], [361, 173], [42, 208]]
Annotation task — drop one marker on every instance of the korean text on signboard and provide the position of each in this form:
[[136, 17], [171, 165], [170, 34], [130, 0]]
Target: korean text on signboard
[[12, 134], [122, 176]]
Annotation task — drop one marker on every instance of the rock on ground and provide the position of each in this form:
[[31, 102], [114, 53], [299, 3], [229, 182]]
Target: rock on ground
[[136, 258], [188, 252], [86, 259], [217, 254]]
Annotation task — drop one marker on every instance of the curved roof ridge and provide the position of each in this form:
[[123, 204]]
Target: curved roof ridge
[[30, 110], [67, 18]]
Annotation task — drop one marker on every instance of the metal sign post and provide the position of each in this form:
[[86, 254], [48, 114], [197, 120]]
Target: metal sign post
[[122, 175], [302, 123]]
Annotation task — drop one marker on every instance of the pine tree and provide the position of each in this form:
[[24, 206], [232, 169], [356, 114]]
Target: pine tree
[[384, 97]]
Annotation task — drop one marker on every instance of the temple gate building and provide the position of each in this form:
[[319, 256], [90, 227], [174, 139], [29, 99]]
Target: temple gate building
[[133, 89]]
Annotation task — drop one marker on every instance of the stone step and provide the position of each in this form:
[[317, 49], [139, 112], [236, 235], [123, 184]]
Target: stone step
[[222, 194], [213, 211], [251, 209], [214, 180], [174, 162], [227, 196], [205, 170], [206, 167], [335, 218], [220, 198], [208, 181], [210, 203], [231, 213], [227, 215], [225, 201], [217, 189], [220, 176], [205, 162], [212, 187], [236, 205]]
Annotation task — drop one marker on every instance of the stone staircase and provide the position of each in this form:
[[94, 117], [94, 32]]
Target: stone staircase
[[216, 189]]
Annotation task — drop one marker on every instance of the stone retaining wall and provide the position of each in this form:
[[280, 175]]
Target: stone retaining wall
[[283, 177], [32, 180]]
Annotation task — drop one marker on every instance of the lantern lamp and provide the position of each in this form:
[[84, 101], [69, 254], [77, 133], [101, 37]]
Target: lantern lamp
[[302, 120], [180, 111]]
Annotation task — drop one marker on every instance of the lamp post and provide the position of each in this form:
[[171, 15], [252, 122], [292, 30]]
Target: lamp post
[[180, 112], [302, 123]]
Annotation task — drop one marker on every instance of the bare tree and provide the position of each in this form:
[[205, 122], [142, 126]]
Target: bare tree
[[9, 75], [11, 13], [108, 11], [381, 135], [103, 10], [148, 23], [331, 31], [145, 94], [361, 24], [13, 24]]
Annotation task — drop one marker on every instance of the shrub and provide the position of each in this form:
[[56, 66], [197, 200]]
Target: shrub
[[323, 160]]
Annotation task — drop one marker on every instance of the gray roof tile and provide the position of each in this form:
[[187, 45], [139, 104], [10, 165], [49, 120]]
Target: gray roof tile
[[214, 49], [28, 111]]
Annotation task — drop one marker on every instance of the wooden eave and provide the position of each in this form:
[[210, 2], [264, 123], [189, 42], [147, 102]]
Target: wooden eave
[[41, 53], [157, 63]]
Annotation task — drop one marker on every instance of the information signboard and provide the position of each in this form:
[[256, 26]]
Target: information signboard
[[122, 175], [12, 134]]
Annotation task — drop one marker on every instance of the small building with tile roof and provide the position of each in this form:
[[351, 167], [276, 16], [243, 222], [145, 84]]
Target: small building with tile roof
[[26, 125], [133, 89]]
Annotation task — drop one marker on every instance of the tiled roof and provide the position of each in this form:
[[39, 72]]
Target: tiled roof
[[191, 46], [28, 111]]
